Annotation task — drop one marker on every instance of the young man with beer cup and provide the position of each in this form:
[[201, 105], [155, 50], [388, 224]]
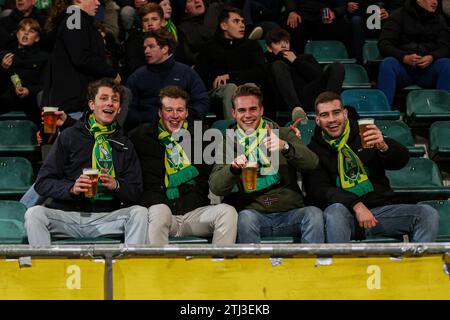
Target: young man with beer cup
[[274, 207], [175, 186], [350, 182], [95, 142]]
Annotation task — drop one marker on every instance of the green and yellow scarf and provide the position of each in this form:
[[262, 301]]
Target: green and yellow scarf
[[170, 26], [102, 154], [352, 174], [178, 167], [267, 175]]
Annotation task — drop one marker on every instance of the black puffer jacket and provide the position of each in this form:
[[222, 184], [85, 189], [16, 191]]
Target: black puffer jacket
[[151, 154], [412, 29], [72, 152], [320, 184]]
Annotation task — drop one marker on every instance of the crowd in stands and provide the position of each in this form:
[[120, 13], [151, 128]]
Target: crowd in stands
[[128, 76]]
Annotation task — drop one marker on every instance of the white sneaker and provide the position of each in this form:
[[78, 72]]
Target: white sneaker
[[256, 33]]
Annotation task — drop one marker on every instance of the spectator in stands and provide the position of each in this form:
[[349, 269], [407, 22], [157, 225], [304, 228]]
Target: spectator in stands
[[129, 13], [299, 78], [446, 10], [8, 24], [262, 13], [152, 17], [26, 62], [352, 182], [176, 189], [169, 25], [78, 58], [230, 59], [56, 15], [198, 25], [94, 142], [416, 44], [307, 21], [162, 70], [276, 207]]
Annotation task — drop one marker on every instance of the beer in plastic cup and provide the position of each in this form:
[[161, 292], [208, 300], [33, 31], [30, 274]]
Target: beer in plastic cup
[[362, 123], [50, 119], [249, 173], [93, 176], [15, 79]]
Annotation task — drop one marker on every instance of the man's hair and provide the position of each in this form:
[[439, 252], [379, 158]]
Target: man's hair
[[34, 25], [327, 96], [277, 35], [225, 13], [151, 7], [248, 90], [93, 88], [163, 38], [174, 92]]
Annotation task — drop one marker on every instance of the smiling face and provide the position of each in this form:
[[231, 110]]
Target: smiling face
[[233, 27], [105, 106], [173, 112], [331, 117], [247, 111], [27, 36]]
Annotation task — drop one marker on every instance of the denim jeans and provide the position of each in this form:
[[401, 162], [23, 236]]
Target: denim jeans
[[420, 221], [306, 223], [393, 73]]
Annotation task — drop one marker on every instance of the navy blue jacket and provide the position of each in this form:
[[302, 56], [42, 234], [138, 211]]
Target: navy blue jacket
[[71, 152], [146, 82]]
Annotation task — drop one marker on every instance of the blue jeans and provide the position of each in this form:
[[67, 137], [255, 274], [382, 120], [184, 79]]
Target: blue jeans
[[306, 223], [419, 221], [393, 73]]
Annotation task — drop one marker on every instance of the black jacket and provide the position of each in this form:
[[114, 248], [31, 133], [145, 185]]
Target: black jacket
[[242, 59], [72, 152], [151, 155], [320, 184], [412, 29], [28, 63], [311, 10], [78, 58]]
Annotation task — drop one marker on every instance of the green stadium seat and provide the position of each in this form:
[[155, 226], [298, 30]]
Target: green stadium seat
[[369, 103], [328, 51], [17, 137], [420, 179], [356, 77], [443, 206], [12, 217], [427, 105], [16, 177], [263, 44], [99, 240], [13, 115], [379, 239], [400, 132], [222, 125], [440, 140], [279, 240], [371, 54], [306, 130]]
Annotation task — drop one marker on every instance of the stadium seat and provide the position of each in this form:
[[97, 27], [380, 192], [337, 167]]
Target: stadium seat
[[400, 132], [12, 230], [369, 103], [263, 44], [16, 177], [443, 206], [427, 105], [440, 140], [371, 54], [420, 179], [306, 130], [13, 115], [188, 240], [279, 240], [222, 125], [99, 240], [356, 77], [17, 137], [379, 239], [328, 51]]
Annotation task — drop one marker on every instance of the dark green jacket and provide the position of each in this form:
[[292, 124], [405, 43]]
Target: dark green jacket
[[281, 197]]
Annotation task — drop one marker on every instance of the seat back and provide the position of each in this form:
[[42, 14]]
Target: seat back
[[369, 103], [440, 138], [396, 130], [328, 51], [356, 77], [16, 175], [12, 217], [419, 172], [428, 104], [222, 125], [443, 206], [17, 135], [306, 130], [371, 54]]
